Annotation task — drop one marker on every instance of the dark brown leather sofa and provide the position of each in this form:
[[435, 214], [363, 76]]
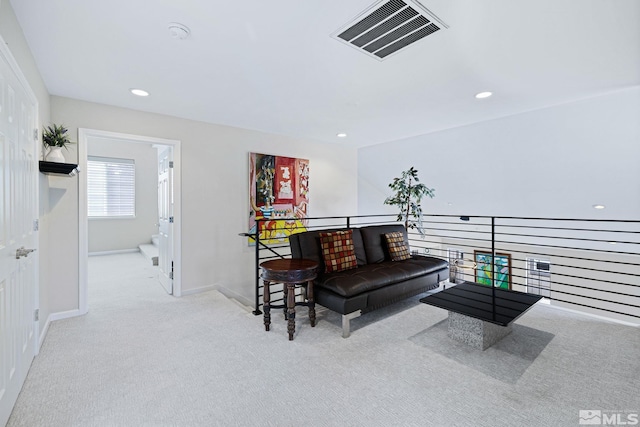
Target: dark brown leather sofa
[[377, 281]]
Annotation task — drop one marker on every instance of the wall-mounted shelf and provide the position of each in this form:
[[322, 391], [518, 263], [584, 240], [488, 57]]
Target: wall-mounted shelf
[[68, 169]]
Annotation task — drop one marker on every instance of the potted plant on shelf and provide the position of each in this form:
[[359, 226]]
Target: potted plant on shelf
[[408, 195], [55, 138]]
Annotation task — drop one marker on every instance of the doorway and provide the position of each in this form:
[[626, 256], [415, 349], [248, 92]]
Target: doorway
[[85, 136]]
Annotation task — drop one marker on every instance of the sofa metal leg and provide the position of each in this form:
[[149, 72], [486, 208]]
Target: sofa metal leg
[[346, 327]]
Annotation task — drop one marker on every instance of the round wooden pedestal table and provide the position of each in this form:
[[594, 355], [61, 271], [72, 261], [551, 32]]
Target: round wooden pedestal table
[[289, 272]]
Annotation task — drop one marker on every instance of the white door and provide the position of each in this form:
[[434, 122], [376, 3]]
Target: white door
[[18, 213], [165, 217]]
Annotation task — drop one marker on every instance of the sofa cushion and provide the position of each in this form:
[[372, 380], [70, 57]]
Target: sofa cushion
[[307, 245], [353, 282], [338, 252], [398, 249], [374, 244]]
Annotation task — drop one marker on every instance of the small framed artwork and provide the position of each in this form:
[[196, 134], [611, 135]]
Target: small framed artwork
[[501, 269]]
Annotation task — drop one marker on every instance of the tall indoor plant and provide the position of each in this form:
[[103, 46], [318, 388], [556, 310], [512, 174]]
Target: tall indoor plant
[[55, 138], [409, 192]]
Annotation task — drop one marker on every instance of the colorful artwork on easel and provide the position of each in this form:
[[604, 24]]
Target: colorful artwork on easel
[[279, 197]]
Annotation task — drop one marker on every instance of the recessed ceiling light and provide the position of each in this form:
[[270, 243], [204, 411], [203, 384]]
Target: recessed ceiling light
[[139, 92], [598, 206], [341, 135], [482, 95]]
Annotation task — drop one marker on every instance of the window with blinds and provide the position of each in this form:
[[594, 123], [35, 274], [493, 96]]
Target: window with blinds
[[111, 187]]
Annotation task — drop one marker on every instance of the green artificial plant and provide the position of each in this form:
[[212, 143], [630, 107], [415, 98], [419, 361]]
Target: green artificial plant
[[55, 136], [408, 195]]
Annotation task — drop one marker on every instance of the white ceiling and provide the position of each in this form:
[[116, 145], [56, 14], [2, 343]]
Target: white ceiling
[[273, 66]]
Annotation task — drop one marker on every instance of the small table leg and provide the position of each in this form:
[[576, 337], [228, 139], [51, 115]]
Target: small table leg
[[284, 292], [311, 302], [291, 309], [266, 306]]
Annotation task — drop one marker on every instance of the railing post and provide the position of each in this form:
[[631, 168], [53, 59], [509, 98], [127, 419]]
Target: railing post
[[348, 222], [493, 252], [257, 240], [493, 265]]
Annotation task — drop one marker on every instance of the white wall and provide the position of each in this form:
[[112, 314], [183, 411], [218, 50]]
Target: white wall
[[215, 187], [12, 35], [553, 162], [113, 234]]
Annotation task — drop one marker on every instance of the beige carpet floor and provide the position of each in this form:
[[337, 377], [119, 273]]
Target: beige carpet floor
[[144, 358]]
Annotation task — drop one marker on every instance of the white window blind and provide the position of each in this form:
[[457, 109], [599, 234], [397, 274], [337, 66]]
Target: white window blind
[[111, 187]]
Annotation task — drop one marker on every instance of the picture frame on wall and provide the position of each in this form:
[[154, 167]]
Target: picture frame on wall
[[485, 269], [278, 197]]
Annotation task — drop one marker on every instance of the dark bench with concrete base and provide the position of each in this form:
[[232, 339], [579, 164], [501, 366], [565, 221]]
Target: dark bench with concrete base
[[479, 315]]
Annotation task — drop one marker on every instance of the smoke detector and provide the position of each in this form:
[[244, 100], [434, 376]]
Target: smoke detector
[[388, 26], [178, 31]]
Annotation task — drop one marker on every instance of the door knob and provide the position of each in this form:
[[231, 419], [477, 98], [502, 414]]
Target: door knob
[[20, 252]]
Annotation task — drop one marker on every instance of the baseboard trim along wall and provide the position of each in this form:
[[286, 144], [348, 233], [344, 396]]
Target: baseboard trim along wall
[[119, 251], [186, 292], [43, 332], [232, 295], [64, 315], [595, 316], [56, 316]]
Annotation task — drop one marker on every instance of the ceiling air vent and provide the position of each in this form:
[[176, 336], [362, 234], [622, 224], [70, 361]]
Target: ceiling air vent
[[389, 26]]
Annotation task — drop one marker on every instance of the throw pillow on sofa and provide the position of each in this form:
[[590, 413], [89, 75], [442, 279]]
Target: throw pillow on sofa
[[398, 249], [338, 251]]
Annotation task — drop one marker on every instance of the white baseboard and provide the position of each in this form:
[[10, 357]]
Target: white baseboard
[[237, 298], [119, 251], [197, 290], [233, 295], [595, 316], [65, 315], [56, 316], [43, 332]]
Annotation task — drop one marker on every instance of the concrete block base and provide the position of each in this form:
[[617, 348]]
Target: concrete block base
[[475, 332]]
